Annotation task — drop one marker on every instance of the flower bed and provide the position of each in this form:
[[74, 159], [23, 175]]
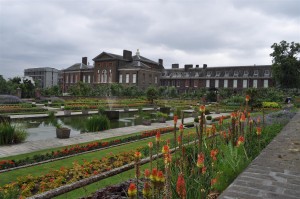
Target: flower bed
[[77, 149], [29, 185]]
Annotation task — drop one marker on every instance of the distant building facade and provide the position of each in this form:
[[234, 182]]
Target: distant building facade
[[44, 77], [233, 77], [109, 68]]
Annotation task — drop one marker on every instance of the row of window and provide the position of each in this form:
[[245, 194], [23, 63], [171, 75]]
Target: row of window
[[236, 73], [235, 82], [74, 79], [127, 78], [208, 84]]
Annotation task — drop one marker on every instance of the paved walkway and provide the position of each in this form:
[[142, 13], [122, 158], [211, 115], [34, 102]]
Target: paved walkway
[[275, 173], [31, 146]]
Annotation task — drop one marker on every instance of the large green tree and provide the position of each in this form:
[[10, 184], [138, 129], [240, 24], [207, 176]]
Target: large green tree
[[286, 65]]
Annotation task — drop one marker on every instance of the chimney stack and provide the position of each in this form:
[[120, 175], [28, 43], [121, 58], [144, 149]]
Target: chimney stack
[[188, 66], [84, 60], [197, 66], [160, 62], [127, 55], [204, 66]]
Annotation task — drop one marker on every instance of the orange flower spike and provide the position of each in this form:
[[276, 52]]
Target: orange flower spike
[[247, 98], [258, 131], [213, 154], [203, 170], [181, 128], [153, 175], [165, 149], [240, 141], [168, 158], [200, 161], [180, 186], [147, 173], [150, 144], [243, 118], [137, 155], [213, 129], [233, 115], [213, 182], [160, 176], [132, 191], [157, 137], [175, 119], [147, 190], [179, 139], [202, 108]]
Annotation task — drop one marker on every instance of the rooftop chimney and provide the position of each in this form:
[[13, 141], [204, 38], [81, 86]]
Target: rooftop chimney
[[84, 60], [175, 65], [197, 66], [204, 66], [160, 62], [127, 55], [188, 66]]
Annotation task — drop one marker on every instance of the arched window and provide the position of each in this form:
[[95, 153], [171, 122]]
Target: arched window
[[109, 76], [104, 76]]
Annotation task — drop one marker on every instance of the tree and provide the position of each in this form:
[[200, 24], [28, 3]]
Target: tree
[[152, 94], [286, 66]]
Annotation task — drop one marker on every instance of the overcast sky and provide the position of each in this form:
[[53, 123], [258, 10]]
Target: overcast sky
[[58, 33]]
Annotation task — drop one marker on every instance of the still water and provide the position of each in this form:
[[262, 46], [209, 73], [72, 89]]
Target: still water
[[40, 129]]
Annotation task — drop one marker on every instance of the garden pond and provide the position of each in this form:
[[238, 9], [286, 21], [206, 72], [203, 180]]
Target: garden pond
[[41, 128]]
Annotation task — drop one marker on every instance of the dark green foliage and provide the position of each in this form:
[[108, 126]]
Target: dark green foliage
[[286, 65], [97, 123], [152, 94], [10, 134]]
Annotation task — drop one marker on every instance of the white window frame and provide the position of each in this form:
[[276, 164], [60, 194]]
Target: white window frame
[[245, 83], [127, 78], [134, 78], [216, 83], [266, 83], [208, 74], [254, 83], [104, 76], [255, 73], [89, 79], [225, 83], [207, 83], [99, 76], [218, 73], [67, 78], [234, 83], [120, 78], [155, 79], [267, 73], [246, 73], [226, 74]]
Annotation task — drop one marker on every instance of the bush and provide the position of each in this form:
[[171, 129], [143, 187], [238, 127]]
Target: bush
[[161, 115], [271, 105], [209, 117], [10, 134], [97, 123], [101, 110]]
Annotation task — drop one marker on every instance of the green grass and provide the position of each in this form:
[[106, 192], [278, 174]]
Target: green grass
[[38, 170]]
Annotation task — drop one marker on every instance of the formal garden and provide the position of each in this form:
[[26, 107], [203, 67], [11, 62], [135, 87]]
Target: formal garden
[[195, 160]]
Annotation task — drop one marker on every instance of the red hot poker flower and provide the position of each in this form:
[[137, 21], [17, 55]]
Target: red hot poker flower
[[258, 131], [213, 182], [132, 190], [160, 176], [203, 171], [180, 186], [200, 161], [175, 119], [165, 149], [157, 137], [147, 173], [147, 190], [243, 118], [240, 141], [213, 154], [247, 98], [202, 108], [137, 155], [150, 144], [181, 127]]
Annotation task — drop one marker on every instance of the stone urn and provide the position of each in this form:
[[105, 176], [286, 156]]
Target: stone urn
[[63, 132]]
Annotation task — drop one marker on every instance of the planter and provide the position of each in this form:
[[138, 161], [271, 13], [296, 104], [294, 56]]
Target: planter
[[161, 120], [63, 133], [208, 121], [67, 112], [146, 122], [85, 112]]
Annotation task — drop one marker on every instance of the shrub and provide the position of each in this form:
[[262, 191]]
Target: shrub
[[97, 123], [10, 134], [161, 115], [209, 117], [271, 105], [101, 110]]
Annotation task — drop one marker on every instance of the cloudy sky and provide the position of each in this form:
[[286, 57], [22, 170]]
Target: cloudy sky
[[57, 33]]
